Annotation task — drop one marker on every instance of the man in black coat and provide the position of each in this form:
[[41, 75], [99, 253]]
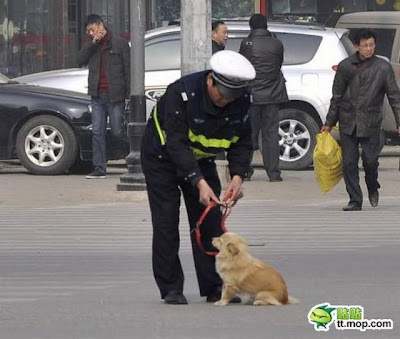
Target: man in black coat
[[219, 36], [359, 87], [265, 52]]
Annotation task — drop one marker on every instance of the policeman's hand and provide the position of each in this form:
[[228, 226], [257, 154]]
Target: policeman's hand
[[326, 128], [206, 194], [234, 189]]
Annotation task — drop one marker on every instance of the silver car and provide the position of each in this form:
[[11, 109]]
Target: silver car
[[311, 55]]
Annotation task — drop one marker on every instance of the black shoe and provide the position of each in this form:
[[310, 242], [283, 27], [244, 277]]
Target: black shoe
[[374, 198], [216, 296], [277, 179], [175, 298], [352, 206], [96, 174]]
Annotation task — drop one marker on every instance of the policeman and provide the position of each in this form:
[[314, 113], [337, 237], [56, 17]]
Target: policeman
[[199, 115]]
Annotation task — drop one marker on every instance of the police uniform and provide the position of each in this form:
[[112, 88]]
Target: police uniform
[[184, 133]]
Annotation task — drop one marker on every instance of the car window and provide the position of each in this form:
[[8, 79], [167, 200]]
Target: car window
[[298, 48], [384, 40], [233, 44], [163, 55], [3, 79], [347, 44]]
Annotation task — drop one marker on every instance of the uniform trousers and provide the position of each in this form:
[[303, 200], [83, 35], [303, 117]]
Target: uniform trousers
[[351, 155], [265, 118], [164, 191]]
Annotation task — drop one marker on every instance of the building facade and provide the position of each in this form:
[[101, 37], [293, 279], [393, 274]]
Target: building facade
[[41, 35]]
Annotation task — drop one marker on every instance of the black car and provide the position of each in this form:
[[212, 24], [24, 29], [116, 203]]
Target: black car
[[47, 129]]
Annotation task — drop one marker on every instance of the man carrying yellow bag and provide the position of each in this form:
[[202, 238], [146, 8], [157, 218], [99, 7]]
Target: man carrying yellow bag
[[358, 91], [327, 162]]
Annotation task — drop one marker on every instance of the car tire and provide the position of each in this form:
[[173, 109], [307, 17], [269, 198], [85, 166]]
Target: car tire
[[46, 145], [297, 131]]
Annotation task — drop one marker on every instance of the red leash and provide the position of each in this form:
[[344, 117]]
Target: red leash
[[225, 213]]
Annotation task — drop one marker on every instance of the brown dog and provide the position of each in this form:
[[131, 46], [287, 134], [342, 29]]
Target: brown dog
[[244, 274]]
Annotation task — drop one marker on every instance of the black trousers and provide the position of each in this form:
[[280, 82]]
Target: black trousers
[[351, 155], [164, 192], [265, 118]]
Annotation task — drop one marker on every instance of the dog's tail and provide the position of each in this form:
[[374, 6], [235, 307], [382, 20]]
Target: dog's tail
[[292, 300]]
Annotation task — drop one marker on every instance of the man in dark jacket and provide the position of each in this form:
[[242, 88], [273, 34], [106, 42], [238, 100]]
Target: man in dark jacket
[[219, 36], [265, 52], [108, 58], [359, 87], [199, 115]]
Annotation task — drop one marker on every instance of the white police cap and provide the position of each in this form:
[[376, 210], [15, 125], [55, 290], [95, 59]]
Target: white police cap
[[232, 72]]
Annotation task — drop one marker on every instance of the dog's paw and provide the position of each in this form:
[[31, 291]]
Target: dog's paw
[[221, 303]]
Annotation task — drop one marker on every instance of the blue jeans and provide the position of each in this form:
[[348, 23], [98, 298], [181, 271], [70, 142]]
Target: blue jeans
[[101, 109]]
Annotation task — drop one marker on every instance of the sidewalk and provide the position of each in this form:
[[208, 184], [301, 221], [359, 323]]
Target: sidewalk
[[17, 187]]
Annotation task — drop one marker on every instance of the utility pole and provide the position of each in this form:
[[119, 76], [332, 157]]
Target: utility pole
[[196, 50], [134, 180], [195, 35]]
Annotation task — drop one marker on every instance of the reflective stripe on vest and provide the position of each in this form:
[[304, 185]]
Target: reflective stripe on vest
[[215, 143], [199, 154], [160, 132]]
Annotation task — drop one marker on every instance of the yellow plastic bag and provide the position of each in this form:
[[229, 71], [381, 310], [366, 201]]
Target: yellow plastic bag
[[327, 162]]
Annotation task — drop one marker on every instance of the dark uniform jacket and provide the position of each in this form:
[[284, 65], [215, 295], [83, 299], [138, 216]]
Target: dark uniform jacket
[[117, 63], [358, 92], [187, 128], [216, 47], [265, 52]]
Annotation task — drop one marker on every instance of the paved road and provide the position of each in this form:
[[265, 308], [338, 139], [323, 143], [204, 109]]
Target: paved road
[[83, 270]]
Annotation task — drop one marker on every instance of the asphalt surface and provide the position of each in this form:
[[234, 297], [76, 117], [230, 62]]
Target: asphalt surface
[[75, 259]]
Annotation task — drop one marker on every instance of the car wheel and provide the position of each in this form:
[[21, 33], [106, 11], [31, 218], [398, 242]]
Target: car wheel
[[297, 131], [46, 145]]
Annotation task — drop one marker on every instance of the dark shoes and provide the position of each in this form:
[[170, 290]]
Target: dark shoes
[[216, 296], [374, 198], [96, 174], [352, 206], [277, 179], [175, 298]]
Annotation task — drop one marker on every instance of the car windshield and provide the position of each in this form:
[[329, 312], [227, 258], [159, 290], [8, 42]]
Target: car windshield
[[3, 79]]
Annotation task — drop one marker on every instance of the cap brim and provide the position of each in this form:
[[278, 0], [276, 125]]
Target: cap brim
[[229, 93]]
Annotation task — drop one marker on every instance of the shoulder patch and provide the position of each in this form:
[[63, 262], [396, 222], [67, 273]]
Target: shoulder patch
[[184, 96]]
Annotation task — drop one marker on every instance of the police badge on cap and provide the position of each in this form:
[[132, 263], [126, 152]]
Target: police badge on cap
[[232, 72]]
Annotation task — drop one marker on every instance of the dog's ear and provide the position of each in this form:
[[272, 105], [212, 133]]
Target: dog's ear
[[232, 249]]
